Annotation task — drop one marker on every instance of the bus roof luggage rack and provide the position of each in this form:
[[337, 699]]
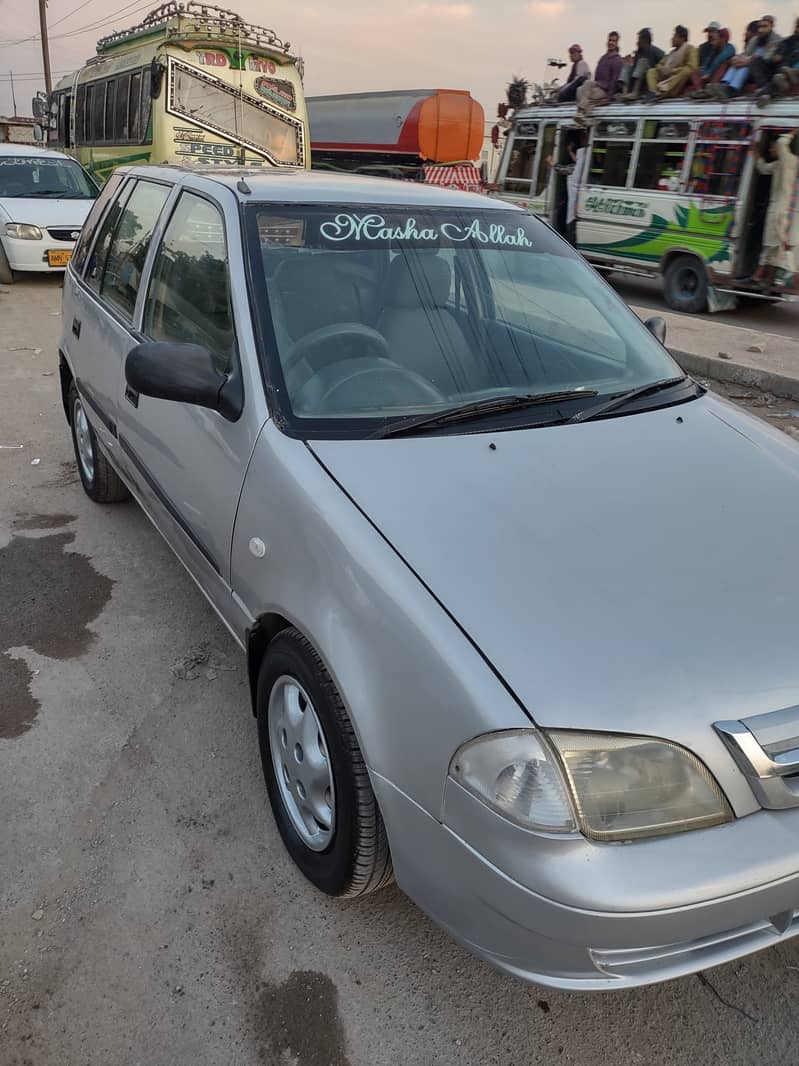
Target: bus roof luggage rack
[[225, 25]]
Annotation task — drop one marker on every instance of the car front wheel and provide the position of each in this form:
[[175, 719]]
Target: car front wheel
[[315, 774], [99, 479]]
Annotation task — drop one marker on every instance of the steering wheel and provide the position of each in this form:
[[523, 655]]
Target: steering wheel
[[353, 385], [311, 345]]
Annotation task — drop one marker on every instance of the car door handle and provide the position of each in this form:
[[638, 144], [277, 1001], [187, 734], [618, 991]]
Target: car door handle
[[131, 396], [76, 327]]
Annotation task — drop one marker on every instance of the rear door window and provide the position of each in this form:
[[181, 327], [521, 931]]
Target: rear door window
[[130, 244], [110, 189], [99, 253]]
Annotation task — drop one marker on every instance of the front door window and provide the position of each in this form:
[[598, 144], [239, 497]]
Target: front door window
[[189, 296]]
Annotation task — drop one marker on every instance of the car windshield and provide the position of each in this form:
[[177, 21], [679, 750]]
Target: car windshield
[[373, 314], [45, 177]]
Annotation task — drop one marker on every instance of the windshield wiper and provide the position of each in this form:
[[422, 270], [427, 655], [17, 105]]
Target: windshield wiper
[[477, 409], [37, 194], [615, 402]]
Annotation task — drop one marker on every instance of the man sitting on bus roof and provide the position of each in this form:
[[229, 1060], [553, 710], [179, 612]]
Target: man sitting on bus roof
[[578, 75], [673, 73], [603, 87], [636, 67], [716, 63], [715, 53], [786, 80], [755, 64]]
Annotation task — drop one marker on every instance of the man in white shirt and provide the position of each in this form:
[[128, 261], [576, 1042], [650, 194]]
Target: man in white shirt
[[578, 75]]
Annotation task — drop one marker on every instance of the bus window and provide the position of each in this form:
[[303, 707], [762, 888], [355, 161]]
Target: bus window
[[121, 111], [95, 113], [611, 153], [719, 157], [548, 147], [110, 99], [135, 107], [519, 178], [80, 115], [662, 155]]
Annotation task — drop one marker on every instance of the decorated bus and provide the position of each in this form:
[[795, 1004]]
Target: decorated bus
[[190, 83], [427, 135], [703, 194]]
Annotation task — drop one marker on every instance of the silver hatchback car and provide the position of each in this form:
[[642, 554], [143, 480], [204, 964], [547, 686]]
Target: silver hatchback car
[[518, 598]]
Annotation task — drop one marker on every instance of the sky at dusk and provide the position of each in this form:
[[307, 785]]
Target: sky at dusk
[[361, 45]]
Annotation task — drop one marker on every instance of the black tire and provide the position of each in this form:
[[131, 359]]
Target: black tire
[[6, 273], [685, 285], [100, 481], [357, 861]]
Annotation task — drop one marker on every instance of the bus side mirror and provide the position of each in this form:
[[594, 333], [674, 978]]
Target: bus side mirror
[[657, 327], [40, 106], [157, 72], [38, 133]]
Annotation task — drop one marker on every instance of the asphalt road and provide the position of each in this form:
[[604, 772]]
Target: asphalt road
[[148, 913], [782, 318]]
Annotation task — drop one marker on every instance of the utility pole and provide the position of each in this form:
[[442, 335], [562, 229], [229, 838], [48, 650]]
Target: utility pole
[[48, 81], [13, 94]]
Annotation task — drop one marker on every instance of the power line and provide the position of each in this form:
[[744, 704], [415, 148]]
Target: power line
[[31, 74], [107, 20], [30, 78], [74, 11]]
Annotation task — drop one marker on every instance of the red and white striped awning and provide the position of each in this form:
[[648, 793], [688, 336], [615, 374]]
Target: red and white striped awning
[[463, 176]]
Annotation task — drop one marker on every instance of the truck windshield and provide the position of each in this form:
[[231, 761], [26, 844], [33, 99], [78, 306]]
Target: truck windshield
[[223, 108], [381, 313], [44, 177]]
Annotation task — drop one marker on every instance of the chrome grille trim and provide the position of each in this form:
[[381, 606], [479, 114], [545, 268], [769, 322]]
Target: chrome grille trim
[[772, 778]]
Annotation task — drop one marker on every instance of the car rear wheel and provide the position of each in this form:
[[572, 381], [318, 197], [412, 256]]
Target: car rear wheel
[[315, 774], [99, 479], [685, 285], [6, 273]]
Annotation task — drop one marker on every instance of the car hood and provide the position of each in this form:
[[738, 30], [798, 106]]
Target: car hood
[[43, 213], [636, 574]]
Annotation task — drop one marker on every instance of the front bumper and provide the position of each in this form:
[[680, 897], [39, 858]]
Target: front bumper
[[653, 921], [32, 255]]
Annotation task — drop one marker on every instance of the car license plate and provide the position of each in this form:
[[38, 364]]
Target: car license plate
[[57, 258]]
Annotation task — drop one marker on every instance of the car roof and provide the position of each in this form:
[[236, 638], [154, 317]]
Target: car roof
[[285, 185], [30, 149]]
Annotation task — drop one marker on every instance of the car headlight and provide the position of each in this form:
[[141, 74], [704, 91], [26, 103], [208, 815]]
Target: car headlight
[[625, 788], [610, 788], [21, 231]]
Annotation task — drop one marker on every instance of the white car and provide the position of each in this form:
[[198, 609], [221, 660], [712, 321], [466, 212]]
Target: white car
[[44, 199]]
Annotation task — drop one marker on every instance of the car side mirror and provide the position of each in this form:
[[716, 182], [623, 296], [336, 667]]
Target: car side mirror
[[183, 373], [657, 327]]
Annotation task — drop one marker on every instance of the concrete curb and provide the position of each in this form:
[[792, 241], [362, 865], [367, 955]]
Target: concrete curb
[[738, 374]]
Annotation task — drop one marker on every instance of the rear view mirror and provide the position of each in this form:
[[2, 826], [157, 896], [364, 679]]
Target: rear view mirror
[[183, 373], [657, 327], [38, 133]]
